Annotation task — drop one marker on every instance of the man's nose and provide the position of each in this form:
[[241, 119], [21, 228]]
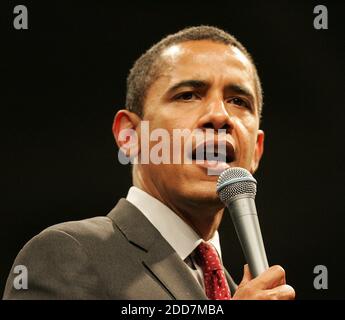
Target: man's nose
[[216, 116]]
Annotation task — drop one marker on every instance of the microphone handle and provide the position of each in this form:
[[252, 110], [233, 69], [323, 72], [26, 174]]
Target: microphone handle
[[245, 219]]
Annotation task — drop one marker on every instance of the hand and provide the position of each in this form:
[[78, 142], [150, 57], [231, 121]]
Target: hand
[[270, 285]]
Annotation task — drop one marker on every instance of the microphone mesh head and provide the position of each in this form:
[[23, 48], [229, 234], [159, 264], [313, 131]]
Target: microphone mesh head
[[233, 182]]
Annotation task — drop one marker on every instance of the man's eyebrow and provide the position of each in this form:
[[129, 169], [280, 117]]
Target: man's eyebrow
[[196, 84], [200, 84], [239, 89]]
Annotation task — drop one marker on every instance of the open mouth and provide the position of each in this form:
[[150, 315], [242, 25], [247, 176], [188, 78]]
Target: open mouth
[[208, 152]]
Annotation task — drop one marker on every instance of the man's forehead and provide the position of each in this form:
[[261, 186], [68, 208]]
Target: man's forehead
[[188, 50], [172, 53], [204, 58]]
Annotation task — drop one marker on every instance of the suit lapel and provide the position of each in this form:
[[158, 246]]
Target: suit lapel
[[160, 258], [172, 272]]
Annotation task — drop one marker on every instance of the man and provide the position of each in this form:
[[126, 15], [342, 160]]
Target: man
[[161, 242]]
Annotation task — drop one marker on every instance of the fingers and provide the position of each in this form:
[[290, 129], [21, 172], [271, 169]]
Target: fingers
[[284, 292], [246, 275], [270, 285], [271, 278]]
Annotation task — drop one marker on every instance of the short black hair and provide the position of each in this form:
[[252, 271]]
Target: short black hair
[[147, 68]]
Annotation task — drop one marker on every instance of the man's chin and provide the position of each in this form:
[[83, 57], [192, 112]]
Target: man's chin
[[203, 193], [213, 167]]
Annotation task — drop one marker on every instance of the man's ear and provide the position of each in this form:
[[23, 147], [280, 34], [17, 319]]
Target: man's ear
[[125, 132], [259, 150]]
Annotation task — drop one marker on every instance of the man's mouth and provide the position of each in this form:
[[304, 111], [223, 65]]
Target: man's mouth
[[213, 153]]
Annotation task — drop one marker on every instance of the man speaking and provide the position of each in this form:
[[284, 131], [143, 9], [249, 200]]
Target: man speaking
[[161, 242]]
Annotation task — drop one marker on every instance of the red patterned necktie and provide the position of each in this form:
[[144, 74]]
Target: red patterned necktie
[[216, 286]]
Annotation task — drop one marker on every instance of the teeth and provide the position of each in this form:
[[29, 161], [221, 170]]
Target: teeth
[[211, 156], [215, 157]]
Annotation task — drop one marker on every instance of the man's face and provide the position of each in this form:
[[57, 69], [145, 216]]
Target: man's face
[[203, 85]]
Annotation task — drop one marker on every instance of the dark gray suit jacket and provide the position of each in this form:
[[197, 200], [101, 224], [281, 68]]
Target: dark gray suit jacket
[[120, 256]]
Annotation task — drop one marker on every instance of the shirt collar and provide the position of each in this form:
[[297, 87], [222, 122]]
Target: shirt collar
[[181, 237]]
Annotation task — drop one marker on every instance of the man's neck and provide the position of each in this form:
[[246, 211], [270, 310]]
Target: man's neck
[[204, 223], [204, 220]]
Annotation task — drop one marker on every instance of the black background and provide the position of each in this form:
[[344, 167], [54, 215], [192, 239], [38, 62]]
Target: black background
[[64, 79]]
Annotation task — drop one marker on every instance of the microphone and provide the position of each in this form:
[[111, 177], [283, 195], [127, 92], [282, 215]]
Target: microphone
[[236, 188]]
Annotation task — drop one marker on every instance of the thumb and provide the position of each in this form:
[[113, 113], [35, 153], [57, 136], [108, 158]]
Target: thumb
[[246, 275]]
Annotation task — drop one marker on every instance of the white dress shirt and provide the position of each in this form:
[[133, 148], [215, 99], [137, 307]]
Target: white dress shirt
[[181, 237]]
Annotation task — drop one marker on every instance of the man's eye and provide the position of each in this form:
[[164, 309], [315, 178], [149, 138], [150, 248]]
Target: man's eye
[[186, 96], [240, 102]]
